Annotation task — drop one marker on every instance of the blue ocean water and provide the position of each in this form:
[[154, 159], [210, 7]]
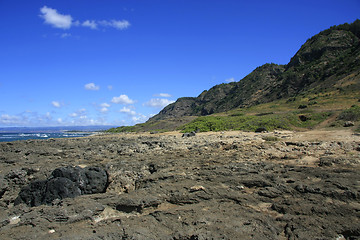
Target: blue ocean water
[[16, 134], [9, 137]]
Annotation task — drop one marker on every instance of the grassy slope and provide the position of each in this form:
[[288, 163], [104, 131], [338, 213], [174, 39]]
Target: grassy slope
[[329, 109], [320, 108]]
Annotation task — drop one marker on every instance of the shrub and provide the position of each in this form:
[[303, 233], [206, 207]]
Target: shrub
[[351, 114], [243, 122]]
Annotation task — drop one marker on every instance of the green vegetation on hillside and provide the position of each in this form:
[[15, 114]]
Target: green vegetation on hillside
[[287, 121], [350, 114]]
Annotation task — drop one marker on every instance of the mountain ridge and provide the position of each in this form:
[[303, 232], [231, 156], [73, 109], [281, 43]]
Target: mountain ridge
[[321, 63]]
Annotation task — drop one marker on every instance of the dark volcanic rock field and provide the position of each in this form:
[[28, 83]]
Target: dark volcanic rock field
[[211, 186]]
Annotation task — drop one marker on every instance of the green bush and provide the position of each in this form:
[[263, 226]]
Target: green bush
[[313, 119], [242, 122], [351, 114]]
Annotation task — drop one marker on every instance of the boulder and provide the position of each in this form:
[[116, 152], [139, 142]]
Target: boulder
[[261, 129], [348, 124], [59, 188], [191, 134], [64, 182], [303, 118], [95, 179], [89, 180], [3, 186], [32, 194]]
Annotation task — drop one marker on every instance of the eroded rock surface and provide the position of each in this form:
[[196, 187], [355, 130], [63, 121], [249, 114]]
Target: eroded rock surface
[[64, 182], [211, 186]]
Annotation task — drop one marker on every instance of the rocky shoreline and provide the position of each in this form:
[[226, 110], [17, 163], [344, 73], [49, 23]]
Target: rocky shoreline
[[232, 185]]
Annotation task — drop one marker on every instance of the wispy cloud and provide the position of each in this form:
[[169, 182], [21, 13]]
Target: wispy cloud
[[92, 87], [58, 20], [104, 107], [122, 99], [27, 118], [35, 119], [104, 110], [139, 118], [118, 24], [166, 95], [55, 19], [81, 113], [6, 119], [56, 104], [158, 102], [230, 80], [90, 23], [128, 111], [65, 35]]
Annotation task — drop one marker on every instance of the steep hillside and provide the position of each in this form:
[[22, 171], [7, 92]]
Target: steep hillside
[[327, 62]]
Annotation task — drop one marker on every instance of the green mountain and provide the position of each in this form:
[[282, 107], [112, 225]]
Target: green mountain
[[326, 67], [321, 64]]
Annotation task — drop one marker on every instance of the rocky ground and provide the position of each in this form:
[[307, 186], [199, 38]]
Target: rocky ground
[[233, 185]]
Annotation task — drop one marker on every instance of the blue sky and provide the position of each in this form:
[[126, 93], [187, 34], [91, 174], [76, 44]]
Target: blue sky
[[118, 62]]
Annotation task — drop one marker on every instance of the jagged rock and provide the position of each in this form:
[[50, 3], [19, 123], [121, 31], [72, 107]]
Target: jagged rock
[[348, 124], [191, 134], [303, 118], [33, 194], [64, 182], [261, 129], [182, 188], [60, 188], [89, 180], [3, 186], [17, 176]]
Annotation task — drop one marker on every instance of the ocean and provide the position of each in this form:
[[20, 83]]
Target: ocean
[[26, 133]]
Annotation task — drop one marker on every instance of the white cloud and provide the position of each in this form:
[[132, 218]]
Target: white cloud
[[81, 113], [104, 110], [7, 119], [34, 119], [128, 111], [118, 24], [158, 102], [140, 118], [90, 23], [56, 104], [106, 105], [26, 118], [122, 99], [166, 95], [65, 35], [91, 86], [230, 80], [55, 19], [122, 24]]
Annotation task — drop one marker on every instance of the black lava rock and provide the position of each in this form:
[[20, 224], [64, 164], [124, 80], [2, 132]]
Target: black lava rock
[[32, 194], [64, 182], [261, 129]]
